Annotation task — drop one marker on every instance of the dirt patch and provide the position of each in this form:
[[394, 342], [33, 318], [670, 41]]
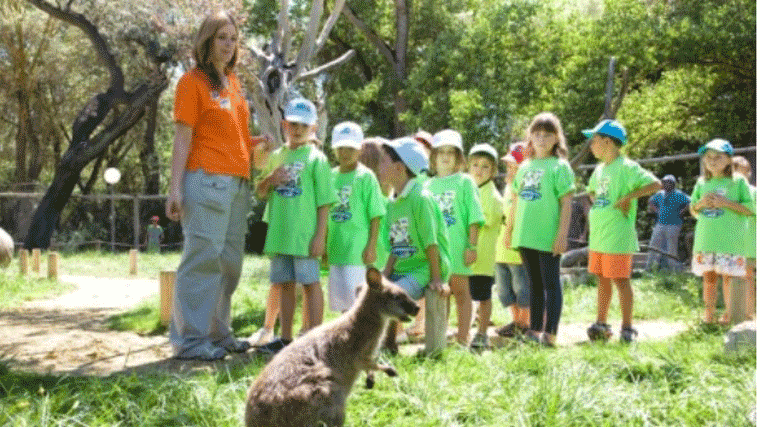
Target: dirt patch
[[68, 334]]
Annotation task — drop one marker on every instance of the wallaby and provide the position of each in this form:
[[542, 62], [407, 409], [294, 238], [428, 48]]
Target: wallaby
[[307, 383]]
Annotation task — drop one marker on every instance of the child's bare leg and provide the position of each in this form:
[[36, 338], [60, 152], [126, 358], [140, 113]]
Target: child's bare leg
[[625, 293], [750, 291], [709, 291], [273, 307], [603, 297], [305, 311], [523, 317], [287, 308], [725, 318], [460, 287], [312, 294], [484, 316]]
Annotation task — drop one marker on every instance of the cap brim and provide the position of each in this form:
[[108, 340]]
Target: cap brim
[[588, 133], [347, 143], [297, 119]]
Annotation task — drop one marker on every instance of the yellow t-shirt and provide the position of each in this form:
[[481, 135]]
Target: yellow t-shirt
[[493, 212], [504, 254]]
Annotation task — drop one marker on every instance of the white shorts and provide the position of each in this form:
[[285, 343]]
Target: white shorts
[[722, 264], [345, 281]]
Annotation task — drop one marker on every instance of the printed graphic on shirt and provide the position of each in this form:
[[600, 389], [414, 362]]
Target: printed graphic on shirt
[[445, 201], [603, 197], [342, 211], [531, 185], [292, 187], [715, 212], [401, 243]]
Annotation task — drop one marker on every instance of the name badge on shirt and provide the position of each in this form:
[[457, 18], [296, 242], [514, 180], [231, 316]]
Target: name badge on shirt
[[223, 102]]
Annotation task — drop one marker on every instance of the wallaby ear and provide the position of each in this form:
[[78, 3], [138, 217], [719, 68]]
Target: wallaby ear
[[374, 278]]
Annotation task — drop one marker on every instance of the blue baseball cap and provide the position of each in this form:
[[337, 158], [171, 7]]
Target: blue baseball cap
[[411, 153], [717, 144], [301, 110], [610, 128]]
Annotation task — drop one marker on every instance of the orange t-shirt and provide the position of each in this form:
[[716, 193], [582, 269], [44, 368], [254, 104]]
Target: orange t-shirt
[[221, 142]]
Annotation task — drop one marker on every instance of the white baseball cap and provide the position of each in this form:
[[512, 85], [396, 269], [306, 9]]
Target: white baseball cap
[[411, 153], [347, 134], [485, 149], [448, 137], [301, 110]]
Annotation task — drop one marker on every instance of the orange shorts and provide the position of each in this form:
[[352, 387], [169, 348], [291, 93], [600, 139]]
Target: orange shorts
[[610, 266]]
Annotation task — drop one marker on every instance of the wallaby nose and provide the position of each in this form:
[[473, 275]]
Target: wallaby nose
[[414, 309]]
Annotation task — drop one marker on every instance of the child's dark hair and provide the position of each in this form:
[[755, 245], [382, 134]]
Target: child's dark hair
[[549, 122], [396, 158], [482, 155]]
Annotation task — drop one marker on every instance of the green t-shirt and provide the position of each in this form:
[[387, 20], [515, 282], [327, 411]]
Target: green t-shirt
[[359, 201], [154, 238], [505, 255], [414, 223], [539, 185], [383, 244], [610, 231], [752, 226], [493, 212], [292, 207], [715, 227], [457, 197]]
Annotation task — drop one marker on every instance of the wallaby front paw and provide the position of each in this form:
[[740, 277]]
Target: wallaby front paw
[[370, 380], [390, 370]]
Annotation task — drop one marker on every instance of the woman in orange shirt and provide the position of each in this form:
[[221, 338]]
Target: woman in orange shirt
[[209, 193]]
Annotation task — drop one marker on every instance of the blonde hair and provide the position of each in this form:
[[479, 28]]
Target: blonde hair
[[548, 122], [458, 167], [203, 44]]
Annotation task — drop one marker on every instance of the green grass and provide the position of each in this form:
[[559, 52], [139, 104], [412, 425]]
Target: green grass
[[684, 380], [16, 289]]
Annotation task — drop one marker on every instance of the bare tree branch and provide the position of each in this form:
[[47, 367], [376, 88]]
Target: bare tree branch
[[373, 38], [307, 46], [402, 37], [328, 66], [334, 15], [278, 48], [101, 47]]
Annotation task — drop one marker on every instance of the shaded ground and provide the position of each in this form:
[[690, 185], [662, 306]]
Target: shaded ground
[[69, 335]]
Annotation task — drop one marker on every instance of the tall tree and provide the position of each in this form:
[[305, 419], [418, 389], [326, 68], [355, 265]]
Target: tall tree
[[125, 106]]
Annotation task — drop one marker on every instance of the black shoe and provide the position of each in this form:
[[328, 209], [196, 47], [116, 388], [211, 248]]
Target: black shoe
[[274, 347]]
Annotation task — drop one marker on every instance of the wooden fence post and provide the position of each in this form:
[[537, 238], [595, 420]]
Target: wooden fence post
[[36, 260], [53, 259], [166, 283], [23, 262], [133, 262]]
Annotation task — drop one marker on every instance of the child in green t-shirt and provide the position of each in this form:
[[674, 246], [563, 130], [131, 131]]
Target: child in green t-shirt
[[721, 203], [543, 191], [482, 168], [154, 235], [353, 224], [418, 238], [299, 184], [457, 196], [742, 167], [615, 187]]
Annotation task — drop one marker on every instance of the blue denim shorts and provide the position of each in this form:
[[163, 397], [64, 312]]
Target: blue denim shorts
[[289, 268], [409, 284]]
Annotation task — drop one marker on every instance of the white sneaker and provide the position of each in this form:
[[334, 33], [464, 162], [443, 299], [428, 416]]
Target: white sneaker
[[261, 337]]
